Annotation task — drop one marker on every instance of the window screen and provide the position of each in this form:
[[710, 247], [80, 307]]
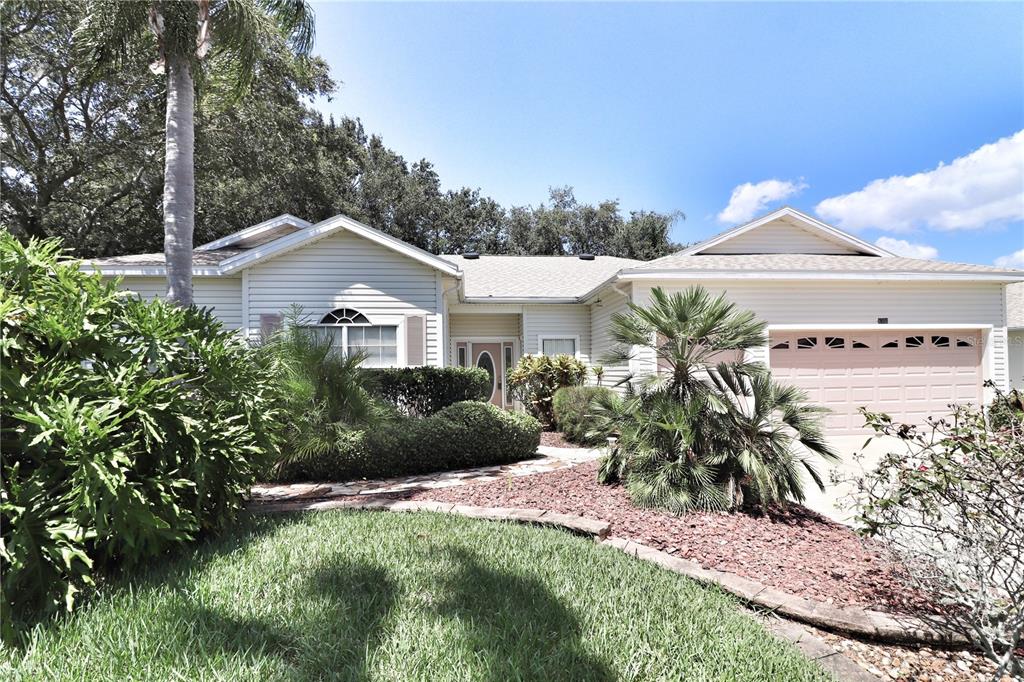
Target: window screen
[[558, 347]]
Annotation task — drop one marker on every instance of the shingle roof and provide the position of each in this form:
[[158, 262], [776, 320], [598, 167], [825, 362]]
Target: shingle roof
[[199, 258], [785, 262], [1015, 305], [522, 277]]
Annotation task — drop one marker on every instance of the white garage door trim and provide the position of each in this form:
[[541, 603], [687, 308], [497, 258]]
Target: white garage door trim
[[907, 371]]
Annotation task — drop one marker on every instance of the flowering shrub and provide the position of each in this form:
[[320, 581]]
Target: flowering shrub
[[951, 505]]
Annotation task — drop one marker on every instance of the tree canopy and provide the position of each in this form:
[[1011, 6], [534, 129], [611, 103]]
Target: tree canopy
[[83, 160]]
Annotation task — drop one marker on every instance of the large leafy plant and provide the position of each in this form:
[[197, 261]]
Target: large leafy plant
[[709, 430], [536, 378], [127, 427]]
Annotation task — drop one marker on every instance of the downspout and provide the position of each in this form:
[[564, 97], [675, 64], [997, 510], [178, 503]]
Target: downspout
[[445, 336]]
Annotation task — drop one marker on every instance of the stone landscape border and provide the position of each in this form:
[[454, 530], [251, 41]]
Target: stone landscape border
[[874, 625]]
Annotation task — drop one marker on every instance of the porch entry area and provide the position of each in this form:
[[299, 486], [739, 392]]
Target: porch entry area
[[489, 337], [497, 357]]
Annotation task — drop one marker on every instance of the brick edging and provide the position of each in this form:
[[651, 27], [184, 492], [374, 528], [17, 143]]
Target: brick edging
[[874, 625]]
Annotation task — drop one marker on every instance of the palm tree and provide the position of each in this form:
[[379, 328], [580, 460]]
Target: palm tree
[[688, 333], [774, 436], [231, 34], [709, 430]]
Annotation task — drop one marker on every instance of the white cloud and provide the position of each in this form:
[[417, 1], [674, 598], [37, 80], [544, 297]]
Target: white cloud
[[749, 199], [901, 247], [982, 188], [1013, 260]]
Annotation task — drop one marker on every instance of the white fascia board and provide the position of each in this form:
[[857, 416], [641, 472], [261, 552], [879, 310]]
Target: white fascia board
[[485, 308], [145, 271], [872, 327], [788, 212], [329, 226], [255, 230], [519, 300], [822, 275]]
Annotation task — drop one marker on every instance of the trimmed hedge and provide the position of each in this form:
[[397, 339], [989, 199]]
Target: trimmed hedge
[[466, 434], [422, 391], [572, 407]]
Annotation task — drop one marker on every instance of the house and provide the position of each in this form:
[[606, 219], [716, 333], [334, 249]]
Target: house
[[848, 321]]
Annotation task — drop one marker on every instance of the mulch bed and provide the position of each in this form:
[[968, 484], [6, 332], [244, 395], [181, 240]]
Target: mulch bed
[[554, 439], [797, 550]]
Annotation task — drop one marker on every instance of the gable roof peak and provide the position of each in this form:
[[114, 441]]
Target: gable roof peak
[[803, 221]]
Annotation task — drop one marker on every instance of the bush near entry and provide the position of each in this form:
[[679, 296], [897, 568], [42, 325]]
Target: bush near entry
[[422, 391], [536, 378], [573, 406]]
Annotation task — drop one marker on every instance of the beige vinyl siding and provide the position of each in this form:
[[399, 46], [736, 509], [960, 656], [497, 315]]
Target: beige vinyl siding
[[345, 270], [601, 313], [863, 302], [223, 294], [779, 237], [557, 320], [484, 325]]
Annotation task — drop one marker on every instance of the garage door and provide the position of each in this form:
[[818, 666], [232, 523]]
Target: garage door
[[908, 374]]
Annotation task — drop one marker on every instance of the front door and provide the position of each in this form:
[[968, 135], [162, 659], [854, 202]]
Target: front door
[[487, 356]]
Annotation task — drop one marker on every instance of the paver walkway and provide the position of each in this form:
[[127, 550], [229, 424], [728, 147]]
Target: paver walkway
[[550, 459]]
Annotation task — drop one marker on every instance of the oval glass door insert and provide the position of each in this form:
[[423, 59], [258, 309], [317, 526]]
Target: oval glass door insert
[[486, 362]]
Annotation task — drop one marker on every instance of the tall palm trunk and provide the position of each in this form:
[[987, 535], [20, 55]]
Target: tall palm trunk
[[179, 180]]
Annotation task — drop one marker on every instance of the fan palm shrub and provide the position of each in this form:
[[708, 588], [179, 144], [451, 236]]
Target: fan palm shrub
[[322, 394], [709, 430]]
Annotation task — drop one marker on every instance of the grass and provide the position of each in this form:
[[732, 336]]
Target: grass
[[376, 596]]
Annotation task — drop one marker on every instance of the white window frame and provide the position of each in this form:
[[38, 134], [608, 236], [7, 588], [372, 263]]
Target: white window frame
[[541, 338], [397, 321]]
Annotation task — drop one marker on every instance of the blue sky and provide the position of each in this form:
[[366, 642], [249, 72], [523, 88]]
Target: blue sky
[[717, 110]]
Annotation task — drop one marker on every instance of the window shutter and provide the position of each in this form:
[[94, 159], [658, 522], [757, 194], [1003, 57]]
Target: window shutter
[[663, 366], [269, 324], [415, 336]]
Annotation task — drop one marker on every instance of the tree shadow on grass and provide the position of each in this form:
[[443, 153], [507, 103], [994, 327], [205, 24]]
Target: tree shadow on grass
[[517, 628], [333, 643]]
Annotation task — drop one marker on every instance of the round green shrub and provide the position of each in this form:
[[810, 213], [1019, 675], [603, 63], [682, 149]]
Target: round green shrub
[[572, 407]]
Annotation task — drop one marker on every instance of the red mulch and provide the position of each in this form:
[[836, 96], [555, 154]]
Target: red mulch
[[554, 439], [796, 550]]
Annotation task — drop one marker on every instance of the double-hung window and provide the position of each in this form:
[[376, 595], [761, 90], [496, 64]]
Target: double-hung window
[[553, 345], [351, 332]]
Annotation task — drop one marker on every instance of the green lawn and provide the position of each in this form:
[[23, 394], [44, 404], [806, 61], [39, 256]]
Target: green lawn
[[378, 596]]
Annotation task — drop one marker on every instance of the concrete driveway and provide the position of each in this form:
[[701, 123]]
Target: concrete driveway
[[834, 502]]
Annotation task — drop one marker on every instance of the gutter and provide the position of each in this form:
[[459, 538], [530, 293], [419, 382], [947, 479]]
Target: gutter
[[145, 271], [520, 300], [823, 275]]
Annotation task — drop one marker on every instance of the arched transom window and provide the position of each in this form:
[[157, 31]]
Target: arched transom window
[[352, 332], [344, 316]]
